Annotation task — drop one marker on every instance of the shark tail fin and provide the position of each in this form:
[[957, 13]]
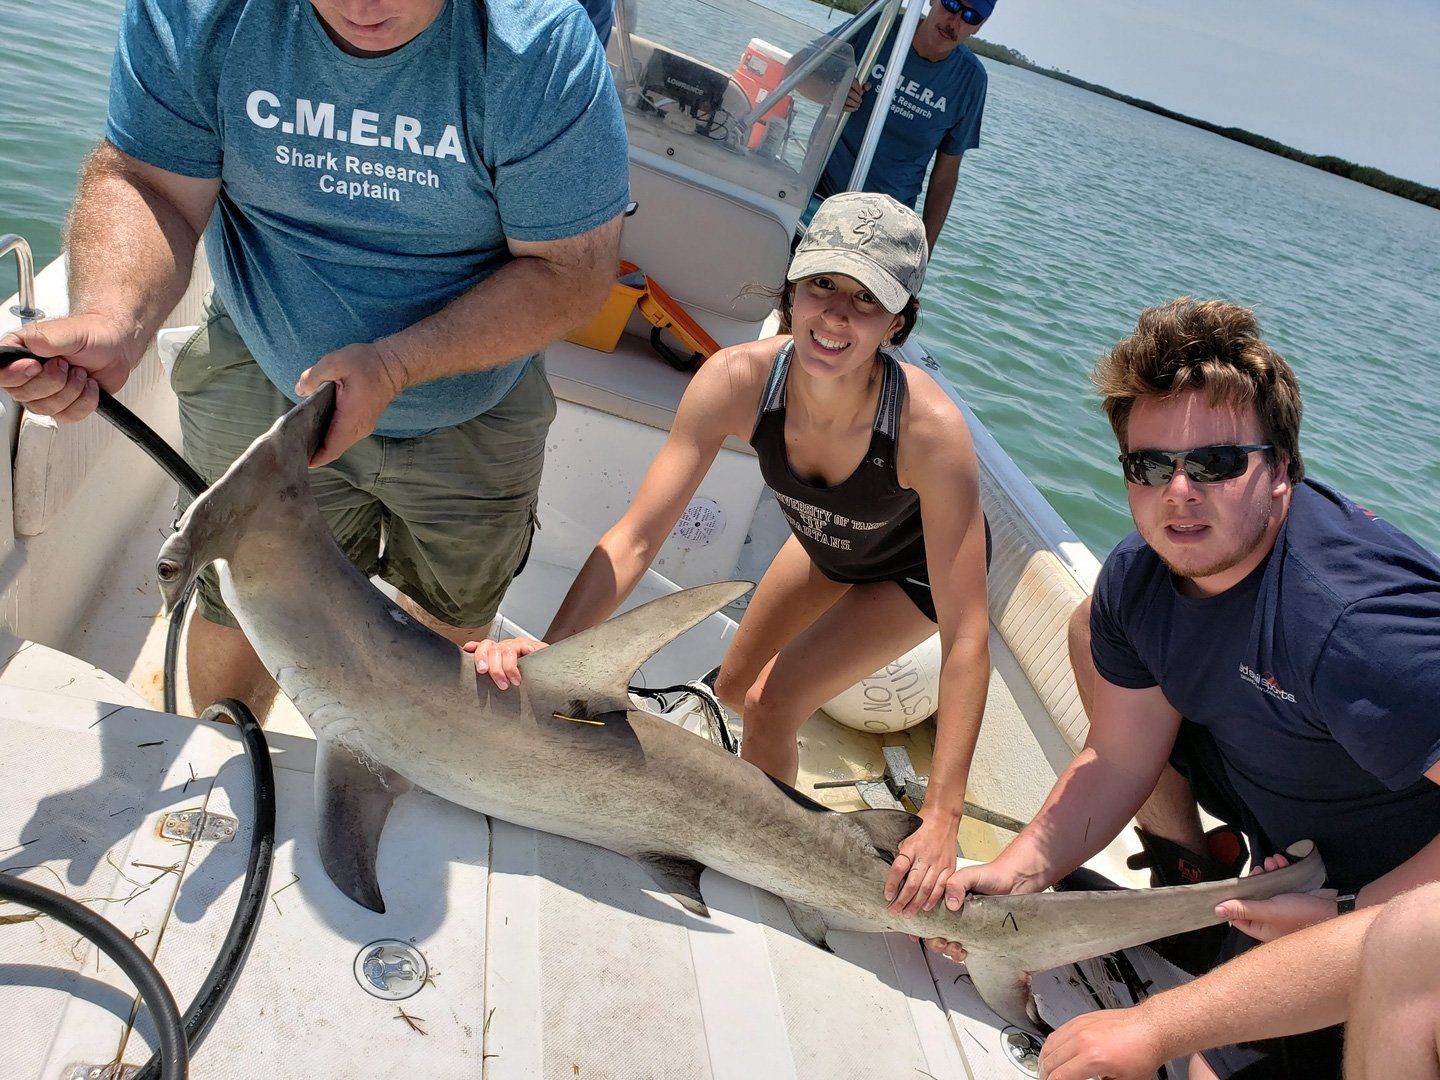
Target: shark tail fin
[[1005, 987], [1040, 931], [596, 666]]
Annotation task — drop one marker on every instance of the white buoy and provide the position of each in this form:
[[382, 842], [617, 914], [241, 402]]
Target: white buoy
[[898, 696]]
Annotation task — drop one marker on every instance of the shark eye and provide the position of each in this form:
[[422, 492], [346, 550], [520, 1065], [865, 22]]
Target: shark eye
[[167, 570]]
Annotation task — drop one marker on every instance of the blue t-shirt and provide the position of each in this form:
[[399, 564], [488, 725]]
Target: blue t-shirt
[[1318, 677], [937, 107], [360, 195]]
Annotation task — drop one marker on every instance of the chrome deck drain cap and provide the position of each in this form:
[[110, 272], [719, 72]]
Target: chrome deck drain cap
[[391, 970], [1023, 1048]]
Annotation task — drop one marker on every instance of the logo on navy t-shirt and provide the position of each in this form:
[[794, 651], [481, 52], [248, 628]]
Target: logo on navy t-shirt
[[1265, 683]]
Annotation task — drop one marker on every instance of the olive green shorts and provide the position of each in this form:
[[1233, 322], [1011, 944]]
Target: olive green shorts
[[447, 518]]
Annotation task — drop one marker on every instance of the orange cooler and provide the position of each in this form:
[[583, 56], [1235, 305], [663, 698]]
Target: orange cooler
[[759, 72]]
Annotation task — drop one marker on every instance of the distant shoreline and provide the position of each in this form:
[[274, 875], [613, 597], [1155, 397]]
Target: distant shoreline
[[1361, 174]]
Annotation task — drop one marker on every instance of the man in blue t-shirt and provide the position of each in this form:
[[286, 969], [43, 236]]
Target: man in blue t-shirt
[[411, 206], [1297, 634], [934, 116]]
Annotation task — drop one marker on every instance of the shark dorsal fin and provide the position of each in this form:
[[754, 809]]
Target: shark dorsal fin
[[596, 665], [885, 828]]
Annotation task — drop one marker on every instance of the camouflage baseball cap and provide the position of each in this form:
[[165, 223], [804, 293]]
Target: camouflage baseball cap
[[870, 237]]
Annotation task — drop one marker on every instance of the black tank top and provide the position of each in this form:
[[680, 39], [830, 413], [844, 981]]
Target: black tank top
[[867, 527]]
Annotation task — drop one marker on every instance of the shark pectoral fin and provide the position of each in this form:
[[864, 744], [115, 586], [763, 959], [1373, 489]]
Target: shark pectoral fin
[[353, 802], [678, 876], [885, 828], [815, 925], [1005, 987], [811, 924], [595, 666]]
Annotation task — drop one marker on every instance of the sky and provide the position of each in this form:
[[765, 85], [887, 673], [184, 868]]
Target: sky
[[1359, 79]]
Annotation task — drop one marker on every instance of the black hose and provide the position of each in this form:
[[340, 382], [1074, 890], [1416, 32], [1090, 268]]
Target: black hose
[[176, 1041], [221, 980], [714, 709], [172, 646], [138, 432], [174, 1054], [130, 425]]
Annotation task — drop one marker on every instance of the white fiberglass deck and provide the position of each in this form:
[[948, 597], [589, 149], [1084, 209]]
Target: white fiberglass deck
[[548, 958]]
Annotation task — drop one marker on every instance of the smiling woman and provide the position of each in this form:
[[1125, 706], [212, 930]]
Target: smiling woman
[[872, 466]]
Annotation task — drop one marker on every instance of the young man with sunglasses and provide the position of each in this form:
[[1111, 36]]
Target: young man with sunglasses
[[935, 114], [1296, 633]]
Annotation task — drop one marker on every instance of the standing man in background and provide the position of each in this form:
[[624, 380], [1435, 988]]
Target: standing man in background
[[934, 116], [409, 198], [602, 15]]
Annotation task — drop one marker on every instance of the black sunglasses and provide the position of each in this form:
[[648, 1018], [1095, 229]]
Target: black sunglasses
[[967, 14], [1204, 464]]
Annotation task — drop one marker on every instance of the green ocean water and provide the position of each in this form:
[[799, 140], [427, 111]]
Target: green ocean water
[[1076, 212]]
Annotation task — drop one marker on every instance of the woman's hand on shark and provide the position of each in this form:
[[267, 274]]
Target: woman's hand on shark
[[990, 879], [501, 659], [924, 863], [367, 378]]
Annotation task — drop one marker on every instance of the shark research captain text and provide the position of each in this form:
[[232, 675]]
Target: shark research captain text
[[329, 164]]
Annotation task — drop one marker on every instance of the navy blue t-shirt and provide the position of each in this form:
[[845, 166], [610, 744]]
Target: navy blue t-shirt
[[602, 15], [938, 105], [1318, 677]]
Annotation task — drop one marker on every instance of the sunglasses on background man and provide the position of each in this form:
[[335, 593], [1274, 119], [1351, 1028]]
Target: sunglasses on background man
[[967, 14]]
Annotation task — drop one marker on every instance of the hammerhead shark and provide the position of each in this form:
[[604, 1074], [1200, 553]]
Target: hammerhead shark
[[394, 706]]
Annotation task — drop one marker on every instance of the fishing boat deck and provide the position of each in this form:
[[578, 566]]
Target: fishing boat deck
[[546, 957]]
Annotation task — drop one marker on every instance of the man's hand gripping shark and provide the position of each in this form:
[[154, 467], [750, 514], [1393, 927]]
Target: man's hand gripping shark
[[394, 706]]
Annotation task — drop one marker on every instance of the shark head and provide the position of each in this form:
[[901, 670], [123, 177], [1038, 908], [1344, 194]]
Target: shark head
[[253, 494]]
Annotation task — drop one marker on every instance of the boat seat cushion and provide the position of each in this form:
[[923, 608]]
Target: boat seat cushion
[[706, 249], [1032, 594]]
